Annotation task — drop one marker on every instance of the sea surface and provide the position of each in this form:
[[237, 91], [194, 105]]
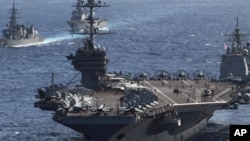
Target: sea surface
[[150, 35]]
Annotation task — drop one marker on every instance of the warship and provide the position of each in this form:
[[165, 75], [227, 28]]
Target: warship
[[79, 21], [235, 64], [16, 35], [117, 107]]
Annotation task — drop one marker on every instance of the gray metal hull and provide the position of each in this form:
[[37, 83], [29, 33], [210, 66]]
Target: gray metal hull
[[80, 26], [234, 64], [128, 129], [21, 42]]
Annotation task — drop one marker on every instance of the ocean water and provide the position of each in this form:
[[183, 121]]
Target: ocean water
[[150, 35]]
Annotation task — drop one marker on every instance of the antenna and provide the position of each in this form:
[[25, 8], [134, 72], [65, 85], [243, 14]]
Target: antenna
[[13, 4], [52, 82], [92, 4], [13, 16], [91, 60], [236, 38], [237, 22]]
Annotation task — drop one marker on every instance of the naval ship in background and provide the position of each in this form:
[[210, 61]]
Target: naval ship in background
[[79, 21], [16, 35], [118, 107], [235, 64]]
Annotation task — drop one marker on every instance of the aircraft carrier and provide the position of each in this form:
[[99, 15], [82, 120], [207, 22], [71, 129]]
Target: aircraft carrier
[[79, 21], [122, 107], [16, 35]]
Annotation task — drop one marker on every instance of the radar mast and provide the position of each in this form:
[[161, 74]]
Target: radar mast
[[236, 36], [13, 16], [91, 60], [91, 5]]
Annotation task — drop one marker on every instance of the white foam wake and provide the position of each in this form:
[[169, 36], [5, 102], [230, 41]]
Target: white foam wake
[[55, 39]]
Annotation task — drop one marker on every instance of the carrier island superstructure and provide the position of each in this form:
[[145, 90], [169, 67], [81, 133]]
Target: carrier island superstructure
[[115, 107]]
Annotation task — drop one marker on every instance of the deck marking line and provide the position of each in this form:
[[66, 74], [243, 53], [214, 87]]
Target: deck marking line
[[161, 92], [223, 92], [189, 97]]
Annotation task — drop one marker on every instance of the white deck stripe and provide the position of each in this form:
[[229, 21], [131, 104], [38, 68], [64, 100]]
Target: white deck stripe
[[197, 92], [223, 92], [198, 95], [189, 98], [161, 93], [216, 97]]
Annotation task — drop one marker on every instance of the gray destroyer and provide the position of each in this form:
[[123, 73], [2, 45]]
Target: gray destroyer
[[79, 21], [16, 35], [118, 107], [235, 64]]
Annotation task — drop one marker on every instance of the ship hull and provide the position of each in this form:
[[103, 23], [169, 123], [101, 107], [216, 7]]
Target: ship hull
[[21, 42], [80, 26], [181, 136], [131, 130], [182, 133], [234, 67], [51, 105], [98, 128]]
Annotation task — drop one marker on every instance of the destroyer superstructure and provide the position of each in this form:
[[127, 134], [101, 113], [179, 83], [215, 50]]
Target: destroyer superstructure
[[235, 64], [16, 35], [79, 21], [140, 108]]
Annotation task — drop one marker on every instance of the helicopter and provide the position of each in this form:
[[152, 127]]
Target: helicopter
[[181, 75], [142, 75], [163, 75], [199, 74]]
